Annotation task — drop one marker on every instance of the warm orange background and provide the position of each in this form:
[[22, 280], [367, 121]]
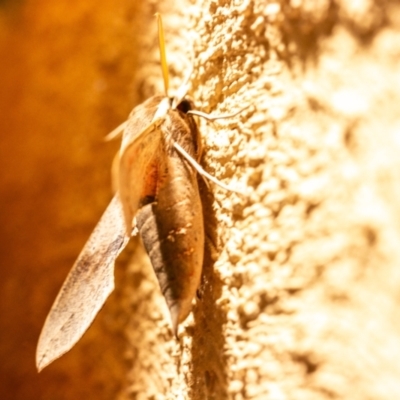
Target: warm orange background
[[64, 85]]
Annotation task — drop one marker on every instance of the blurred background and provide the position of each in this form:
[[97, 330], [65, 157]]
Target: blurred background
[[63, 87]]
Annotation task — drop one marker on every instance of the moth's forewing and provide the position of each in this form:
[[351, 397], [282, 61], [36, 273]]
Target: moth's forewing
[[172, 227], [137, 172], [86, 288]]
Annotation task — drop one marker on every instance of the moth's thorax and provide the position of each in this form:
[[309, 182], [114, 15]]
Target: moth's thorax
[[182, 128]]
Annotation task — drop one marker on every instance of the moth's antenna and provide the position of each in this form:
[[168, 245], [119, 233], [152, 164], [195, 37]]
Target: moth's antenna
[[163, 57]]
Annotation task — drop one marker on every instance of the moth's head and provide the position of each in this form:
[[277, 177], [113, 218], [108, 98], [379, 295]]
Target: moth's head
[[185, 105]]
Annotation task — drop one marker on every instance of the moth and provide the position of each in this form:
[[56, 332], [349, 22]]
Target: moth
[[155, 176]]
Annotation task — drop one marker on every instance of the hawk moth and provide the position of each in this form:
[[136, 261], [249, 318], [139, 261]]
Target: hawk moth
[[155, 176]]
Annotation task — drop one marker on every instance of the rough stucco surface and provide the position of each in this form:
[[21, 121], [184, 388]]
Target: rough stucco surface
[[299, 296]]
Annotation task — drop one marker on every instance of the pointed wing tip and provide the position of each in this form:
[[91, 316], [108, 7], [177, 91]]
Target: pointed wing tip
[[42, 361], [45, 354], [40, 367], [179, 311], [175, 318]]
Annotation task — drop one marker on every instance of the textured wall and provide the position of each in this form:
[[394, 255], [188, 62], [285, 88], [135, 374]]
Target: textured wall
[[299, 298]]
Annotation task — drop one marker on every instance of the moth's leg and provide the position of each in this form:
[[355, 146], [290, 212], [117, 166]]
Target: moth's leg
[[205, 180], [117, 132], [210, 117], [200, 169]]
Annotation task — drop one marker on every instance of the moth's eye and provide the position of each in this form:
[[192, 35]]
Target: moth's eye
[[184, 106]]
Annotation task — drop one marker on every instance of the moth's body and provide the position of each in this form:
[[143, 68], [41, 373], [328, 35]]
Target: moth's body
[[156, 185]]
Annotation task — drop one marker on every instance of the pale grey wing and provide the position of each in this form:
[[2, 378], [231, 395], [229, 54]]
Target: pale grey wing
[[86, 288]]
